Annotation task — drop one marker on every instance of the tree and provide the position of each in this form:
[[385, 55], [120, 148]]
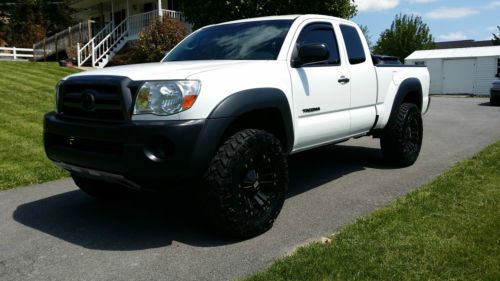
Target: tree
[[367, 34], [496, 38], [407, 34], [203, 12], [32, 20], [3, 28]]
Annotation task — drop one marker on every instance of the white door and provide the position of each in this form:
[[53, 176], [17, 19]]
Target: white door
[[458, 76], [321, 96]]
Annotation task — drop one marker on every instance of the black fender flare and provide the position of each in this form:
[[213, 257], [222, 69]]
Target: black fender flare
[[253, 99], [230, 109], [410, 85]]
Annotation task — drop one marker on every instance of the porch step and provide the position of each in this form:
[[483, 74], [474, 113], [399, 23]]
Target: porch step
[[104, 61]]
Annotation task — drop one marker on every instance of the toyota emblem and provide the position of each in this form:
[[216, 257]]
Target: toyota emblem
[[88, 100]]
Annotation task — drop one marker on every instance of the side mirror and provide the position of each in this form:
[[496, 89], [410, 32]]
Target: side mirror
[[310, 54], [498, 75]]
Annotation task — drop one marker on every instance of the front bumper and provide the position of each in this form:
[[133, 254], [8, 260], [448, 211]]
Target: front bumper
[[144, 153]]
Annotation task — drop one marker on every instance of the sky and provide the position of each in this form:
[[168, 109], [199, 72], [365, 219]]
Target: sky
[[448, 20]]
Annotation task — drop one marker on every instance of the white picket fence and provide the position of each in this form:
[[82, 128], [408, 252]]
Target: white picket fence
[[14, 53]]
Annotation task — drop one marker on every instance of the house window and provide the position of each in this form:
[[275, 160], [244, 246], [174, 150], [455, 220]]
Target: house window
[[420, 63]]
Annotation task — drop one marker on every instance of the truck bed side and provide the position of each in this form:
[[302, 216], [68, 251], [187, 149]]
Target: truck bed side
[[390, 78]]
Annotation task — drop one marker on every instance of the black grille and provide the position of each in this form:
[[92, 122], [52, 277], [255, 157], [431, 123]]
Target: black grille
[[95, 99]]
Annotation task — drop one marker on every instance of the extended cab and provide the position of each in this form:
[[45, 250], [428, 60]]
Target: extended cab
[[227, 105]]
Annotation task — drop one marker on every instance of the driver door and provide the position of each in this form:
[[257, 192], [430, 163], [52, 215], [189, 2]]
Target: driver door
[[321, 91]]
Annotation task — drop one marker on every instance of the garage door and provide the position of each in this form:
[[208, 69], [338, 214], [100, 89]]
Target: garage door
[[458, 76]]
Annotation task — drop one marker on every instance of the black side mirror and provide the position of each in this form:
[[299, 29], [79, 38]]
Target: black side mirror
[[310, 54]]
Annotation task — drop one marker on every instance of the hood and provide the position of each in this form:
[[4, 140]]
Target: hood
[[162, 70]]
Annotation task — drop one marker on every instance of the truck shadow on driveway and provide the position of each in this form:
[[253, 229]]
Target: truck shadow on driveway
[[156, 220]]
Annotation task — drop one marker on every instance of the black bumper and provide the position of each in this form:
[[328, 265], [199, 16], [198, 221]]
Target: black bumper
[[147, 153]]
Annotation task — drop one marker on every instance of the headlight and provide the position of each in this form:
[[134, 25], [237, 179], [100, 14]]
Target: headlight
[[166, 97]]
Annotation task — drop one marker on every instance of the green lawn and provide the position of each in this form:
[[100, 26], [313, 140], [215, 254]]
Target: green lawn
[[26, 93], [446, 230]]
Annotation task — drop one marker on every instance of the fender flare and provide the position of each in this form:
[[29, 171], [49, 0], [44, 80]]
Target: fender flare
[[228, 110], [407, 86], [249, 100]]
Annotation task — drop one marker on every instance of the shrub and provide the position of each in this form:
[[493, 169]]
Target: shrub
[[129, 54], [71, 52], [159, 37]]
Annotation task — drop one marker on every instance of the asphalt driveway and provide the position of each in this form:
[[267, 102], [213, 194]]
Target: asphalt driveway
[[53, 231]]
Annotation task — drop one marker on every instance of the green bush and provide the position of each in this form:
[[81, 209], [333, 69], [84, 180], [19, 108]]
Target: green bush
[[159, 37], [129, 54]]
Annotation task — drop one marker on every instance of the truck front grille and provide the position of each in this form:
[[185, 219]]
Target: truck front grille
[[95, 98]]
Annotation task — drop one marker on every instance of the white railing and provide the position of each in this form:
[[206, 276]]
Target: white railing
[[104, 41], [16, 53], [61, 40], [108, 42], [138, 22], [85, 52]]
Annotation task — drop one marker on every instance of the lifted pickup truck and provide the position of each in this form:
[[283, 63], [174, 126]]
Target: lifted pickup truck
[[225, 108]]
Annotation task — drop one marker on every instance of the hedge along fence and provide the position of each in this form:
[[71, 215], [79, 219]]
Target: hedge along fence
[[16, 53]]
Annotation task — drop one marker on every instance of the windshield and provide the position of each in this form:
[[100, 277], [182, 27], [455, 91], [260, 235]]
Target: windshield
[[256, 40]]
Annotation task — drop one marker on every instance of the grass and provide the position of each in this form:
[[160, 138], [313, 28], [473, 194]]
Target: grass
[[26, 94], [446, 230]]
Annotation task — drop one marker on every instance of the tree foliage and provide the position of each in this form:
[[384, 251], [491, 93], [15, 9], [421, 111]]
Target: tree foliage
[[407, 34], [160, 37], [368, 36], [496, 38], [205, 12], [32, 20]]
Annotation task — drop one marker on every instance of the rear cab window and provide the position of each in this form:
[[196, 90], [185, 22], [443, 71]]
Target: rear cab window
[[353, 44]]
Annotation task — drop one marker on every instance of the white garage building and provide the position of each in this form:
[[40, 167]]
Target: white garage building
[[461, 70]]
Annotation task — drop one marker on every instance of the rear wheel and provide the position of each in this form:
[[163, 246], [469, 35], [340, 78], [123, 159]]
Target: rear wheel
[[100, 189], [246, 183], [402, 139]]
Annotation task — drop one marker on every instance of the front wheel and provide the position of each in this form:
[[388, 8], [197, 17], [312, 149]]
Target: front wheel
[[402, 139], [246, 183]]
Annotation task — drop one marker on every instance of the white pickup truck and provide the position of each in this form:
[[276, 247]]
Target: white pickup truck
[[226, 107]]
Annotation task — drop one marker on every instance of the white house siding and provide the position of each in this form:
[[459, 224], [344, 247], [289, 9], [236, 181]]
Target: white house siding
[[435, 67], [136, 7], [484, 73], [481, 64], [486, 68], [458, 76]]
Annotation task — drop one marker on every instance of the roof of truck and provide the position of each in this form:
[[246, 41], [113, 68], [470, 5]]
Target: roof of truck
[[287, 17]]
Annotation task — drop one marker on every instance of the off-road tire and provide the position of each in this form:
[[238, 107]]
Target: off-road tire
[[402, 139], [495, 101], [101, 189], [246, 182]]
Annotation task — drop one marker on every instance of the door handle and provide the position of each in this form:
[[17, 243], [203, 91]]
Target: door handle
[[343, 80]]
